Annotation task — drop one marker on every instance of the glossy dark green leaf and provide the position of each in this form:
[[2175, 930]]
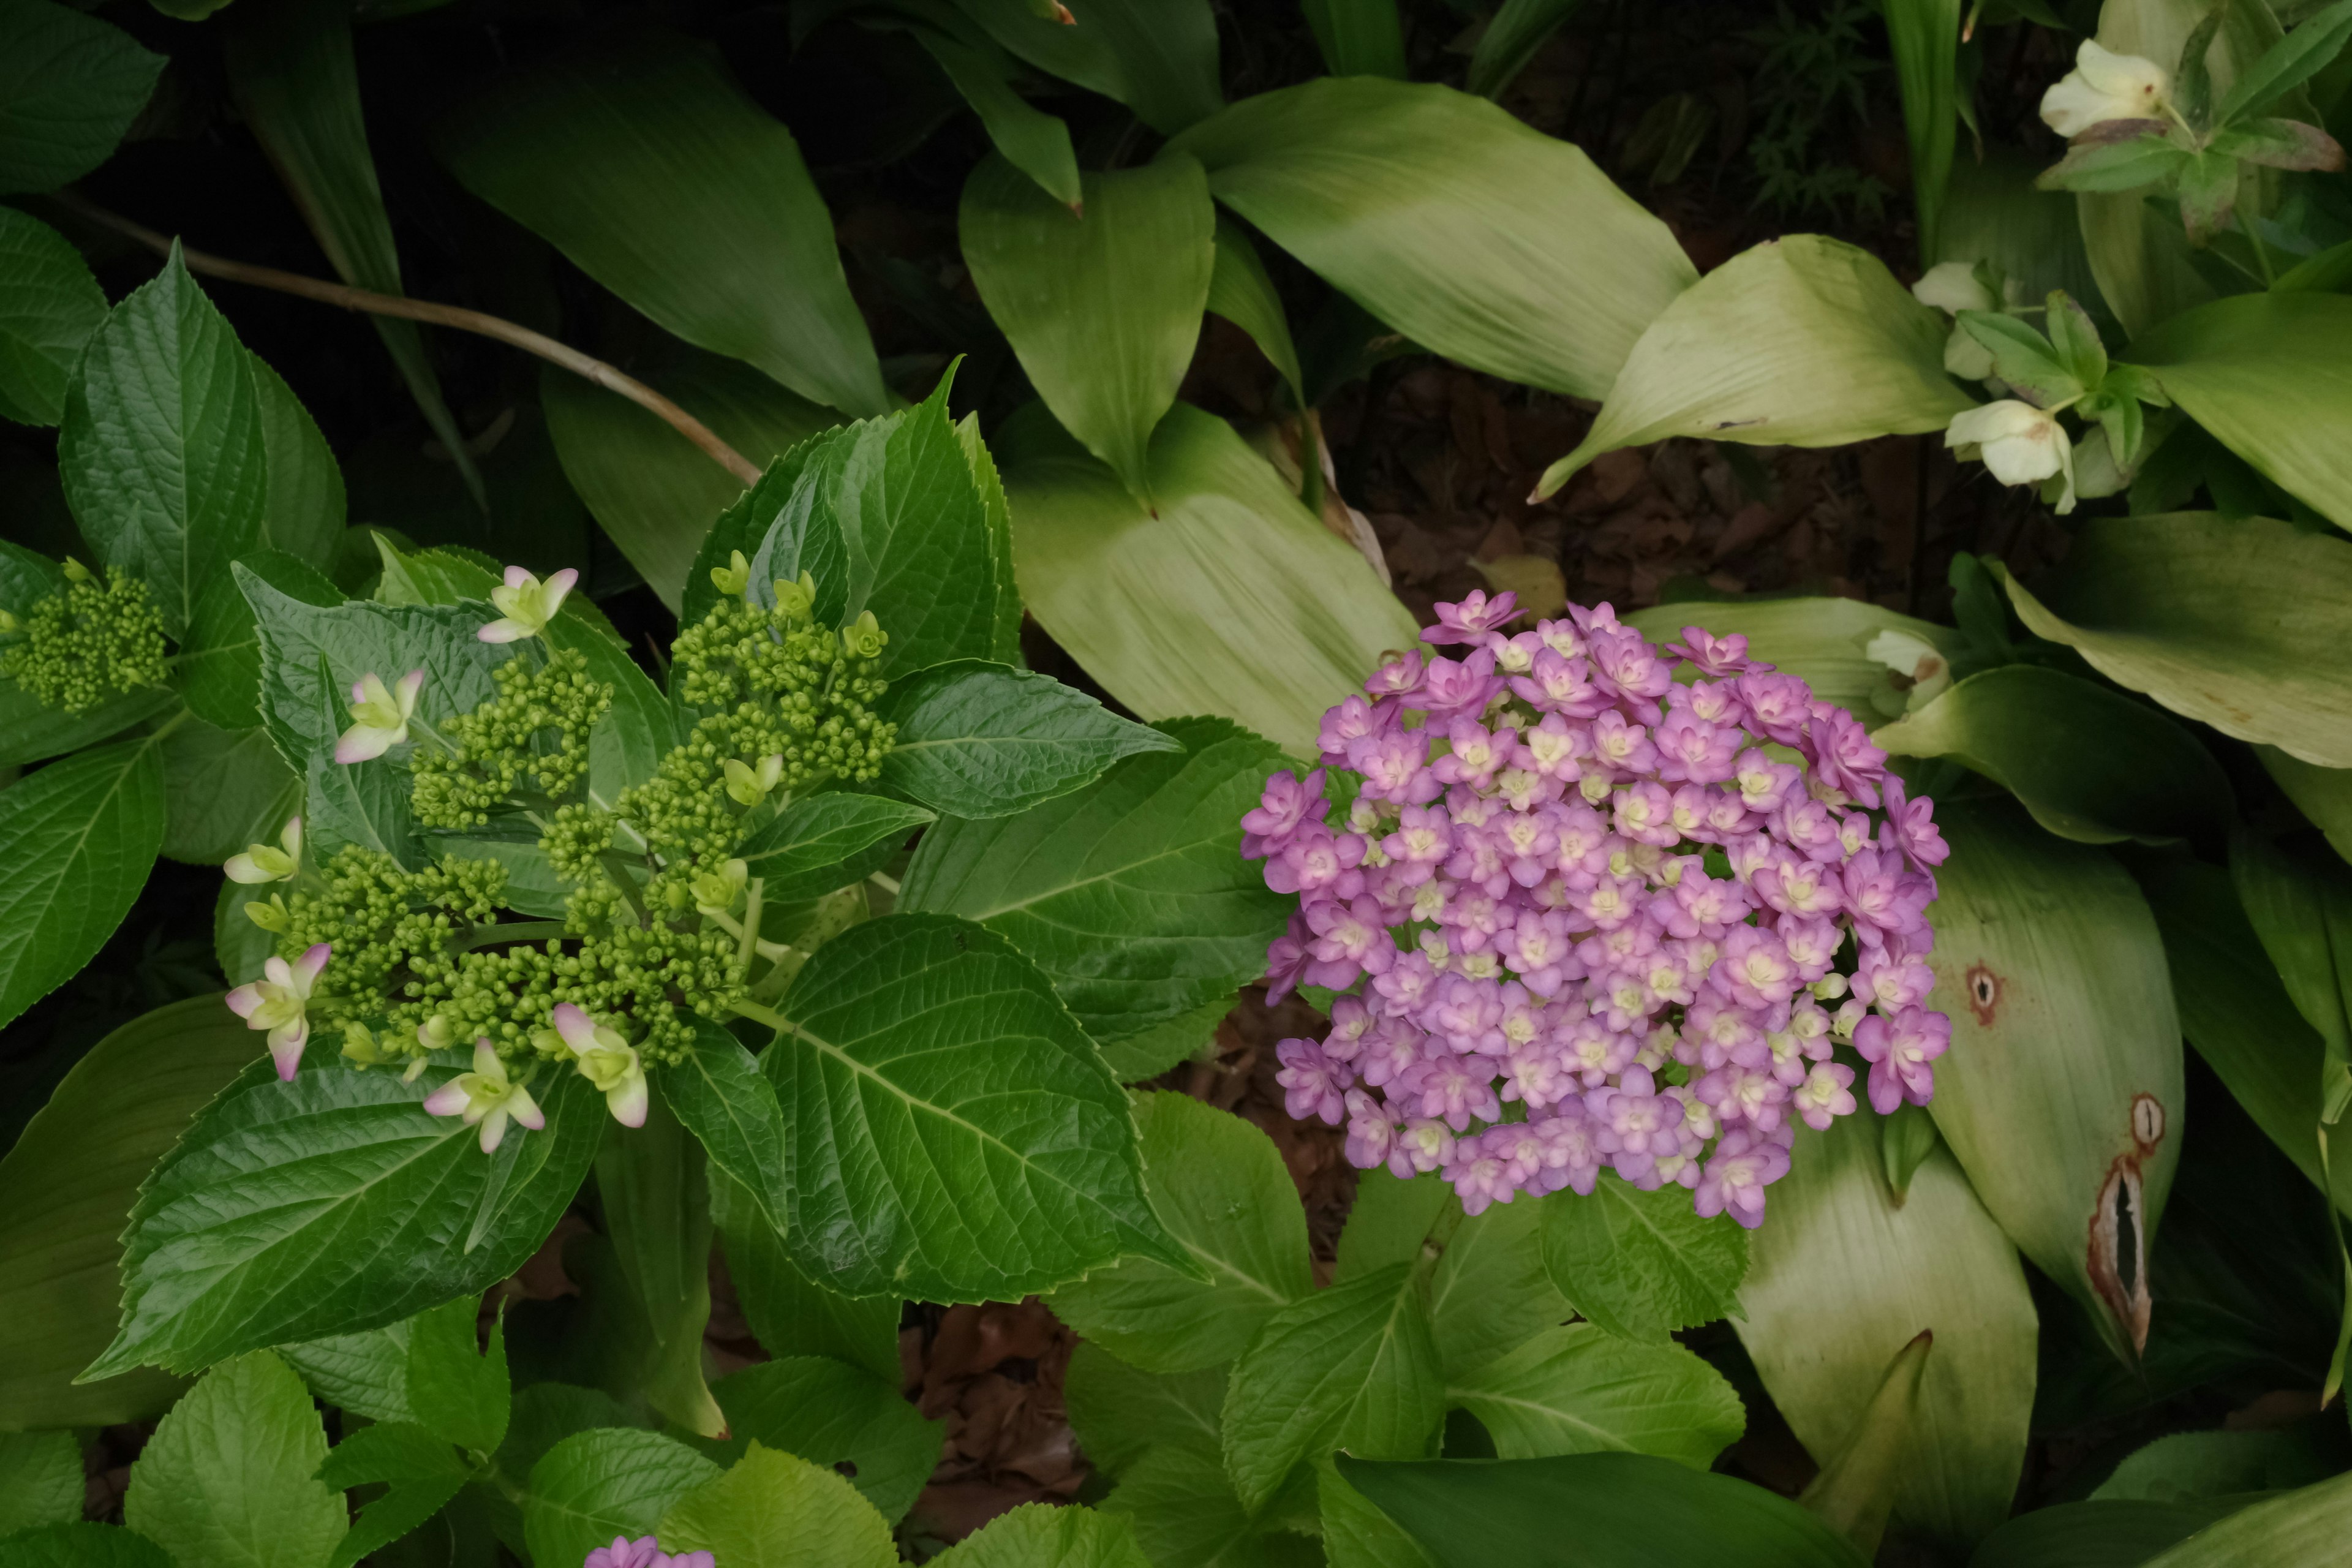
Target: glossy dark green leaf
[[50, 305], [231, 1473], [79, 837], [1103, 306], [1184, 1511], [2115, 1533], [646, 163], [1626, 1508], [220, 658], [40, 1480], [656, 1186], [248, 1233], [789, 1313], [1157, 57], [420, 1473], [956, 1136], [291, 66], [223, 789], [1642, 1264], [1359, 37], [596, 1485], [840, 1417], [1221, 1190], [2091, 766], [1121, 1412], [458, 1391], [980, 740], [30, 732], [1516, 30], [366, 1372], [821, 842], [1579, 1389], [1130, 893], [79, 1545], [69, 87], [1035, 142], [2300, 906], [1458, 226], [161, 452], [720, 1095]]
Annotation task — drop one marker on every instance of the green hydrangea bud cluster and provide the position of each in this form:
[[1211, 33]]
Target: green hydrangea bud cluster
[[536, 728], [398, 935], [91, 642]]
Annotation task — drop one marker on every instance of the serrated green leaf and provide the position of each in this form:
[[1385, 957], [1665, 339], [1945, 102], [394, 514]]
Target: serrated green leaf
[[79, 837], [839, 1417], [1005, 647], [161, 452], [1491, 1290], [1186, 1516], [245, 1234], [789, 1313], [593, 1486], [1582, 1390], [220, 658], [228, 1479], [1121, 1412], [1642, 1264], [1157, 57], [1355, 1532], [1181, 1039], [956, 1136], [654, 1183], [821, 842], [979, 740], [223, 789], [31, 733], [1130, 893], [1040, 1535], [773, 1510], [723, 237], [69, 87], [1353, 1367], [40, 1480], [421, 1473], [82, 1545], [50, 305], [1102, 305], [457, 1391], [1220, 1188], [307, 505], [1474, 234], [366, 1372], [719, 1095]]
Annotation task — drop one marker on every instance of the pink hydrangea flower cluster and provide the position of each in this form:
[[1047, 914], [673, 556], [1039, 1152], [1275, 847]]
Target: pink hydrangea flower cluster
[[645, 1551], [1648, 912]]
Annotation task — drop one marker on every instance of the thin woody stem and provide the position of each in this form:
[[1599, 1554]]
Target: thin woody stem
[[424, 311]]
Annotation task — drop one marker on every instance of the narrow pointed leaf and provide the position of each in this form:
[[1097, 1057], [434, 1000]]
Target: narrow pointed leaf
[[1518, 29], [307, 506], [1157, 57], [1241, 291], [1359, 37], [1032, 140], [1854, 1491]]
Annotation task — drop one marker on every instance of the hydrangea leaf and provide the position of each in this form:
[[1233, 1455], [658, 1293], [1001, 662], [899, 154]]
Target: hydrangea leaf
[[1120, 1411], [31, 731], [50, 305], [1491, 1290], [79, 837], [457, 1390], [1129, 893], [1642, 1264], [1040, 1535], [230, 1475], [791, 1314], [334, 1203], [223, 789], [2213, 617], [1352, 1367], [821, 842], [655, 1187], [719, 1095], [1581, 1390], [162, 451], [956, 1135], [366, 1372], [1220, 1188], [419, 1471], [40, 1480], [1354, 1529], [980, 740], [1414, 200], [1184, 1509], [79, 1545], [71, 87], [773, 1510], [220, 658], [836, 1415], [307, 506], [596, 1485]]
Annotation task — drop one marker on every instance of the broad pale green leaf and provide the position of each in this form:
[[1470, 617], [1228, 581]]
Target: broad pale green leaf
[[40, 1480], [1622, 1508], [365, 1372], [228, 1479], [1119, 1412], [1132, 893], [1923, 36], [1582, 1390], [648, 165], [2108, 1533], [50, 305], [1460, 227], [161, 452], [654, 491], [821, 842], [1220, 1188], [979, 740], [79, 838], [1825, 641], [456, 1391], [956, 1136], [1642, 1264], [223, 789], [1102, 305], [1035, 142], [2061, 1090], [420, 1473], [2090, 764], [1157, 57], [2304, 1526], [2321, 795], [656, 1186], [718, 1094], [72, 1178], [2216, 619], [773, 1510], [79, 1545], [1241, 291], [1039, 1535], [1992, 212], [1235, 600], [334, 1203], [596, 1485], [789, 1313], [296, 79], [1802, 341], [1185, 1515], [1516, 30], [2270, 376], [1352, 1367], [220, 656], [69, 87], [837, 1417]]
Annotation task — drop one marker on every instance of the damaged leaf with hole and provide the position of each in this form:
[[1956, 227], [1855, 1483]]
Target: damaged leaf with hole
[[2061, 1093]]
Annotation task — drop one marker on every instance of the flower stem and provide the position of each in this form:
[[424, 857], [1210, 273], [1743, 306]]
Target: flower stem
[[749, 935], [768, 1015]]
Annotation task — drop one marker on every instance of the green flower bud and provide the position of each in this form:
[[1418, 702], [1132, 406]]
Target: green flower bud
[[863, 637], [734, 579]]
